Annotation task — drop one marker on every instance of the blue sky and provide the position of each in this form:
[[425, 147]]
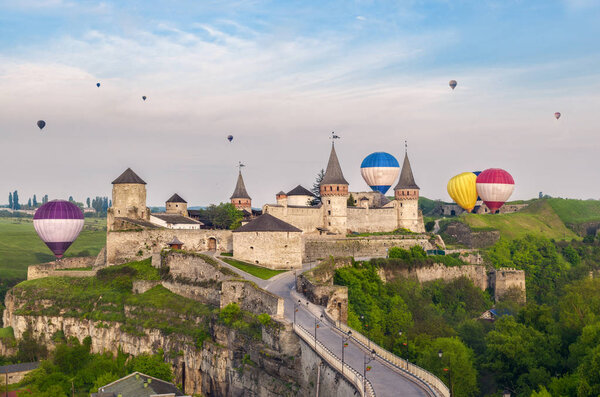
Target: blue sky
[[280, 76]]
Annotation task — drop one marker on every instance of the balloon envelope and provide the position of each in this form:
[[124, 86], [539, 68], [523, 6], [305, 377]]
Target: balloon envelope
[[41, 124], [495, 186], [58, 223], [230, 138], [144, 97], [557, 115], [452, 84], [463, 190], [97, 84], [380, 170]]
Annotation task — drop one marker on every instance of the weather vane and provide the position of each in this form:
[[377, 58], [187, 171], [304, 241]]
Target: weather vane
[[334, 136], [405, 146], [240, 165]]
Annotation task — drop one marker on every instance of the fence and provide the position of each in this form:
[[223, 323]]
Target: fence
[[430, 382], [350, 373]]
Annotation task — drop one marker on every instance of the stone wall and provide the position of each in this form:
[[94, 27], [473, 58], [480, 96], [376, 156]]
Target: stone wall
[[275, 250], [141, 286], [476, 273], [333, 297], [508, 281], [368, 220], [125, 246], [463, 234], [453, 209], [194, 268], [13, 377], [251, 298], [206, 295], [54, 268], [307, 219], [360, 247]]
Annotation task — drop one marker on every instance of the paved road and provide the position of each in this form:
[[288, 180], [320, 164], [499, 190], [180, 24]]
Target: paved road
[[386, 381]]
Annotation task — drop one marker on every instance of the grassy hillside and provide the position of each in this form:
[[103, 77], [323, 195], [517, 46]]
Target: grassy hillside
[[575, 211], [20, 245], [539, 219]]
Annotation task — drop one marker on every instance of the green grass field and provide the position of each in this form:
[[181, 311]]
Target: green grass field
[[538, 219], [20, 245], [257, 271], [575, 211]]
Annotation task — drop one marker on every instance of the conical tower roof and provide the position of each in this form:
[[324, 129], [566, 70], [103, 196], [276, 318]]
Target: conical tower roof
[[333, 174], [128, 177], [240, 189], [176, 199], [407, 180]]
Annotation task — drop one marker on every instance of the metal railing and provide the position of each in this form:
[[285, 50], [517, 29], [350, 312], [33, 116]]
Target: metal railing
[[433, 385], [349, 373]]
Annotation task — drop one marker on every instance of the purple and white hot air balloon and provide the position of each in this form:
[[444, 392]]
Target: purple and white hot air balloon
[[58, 223]]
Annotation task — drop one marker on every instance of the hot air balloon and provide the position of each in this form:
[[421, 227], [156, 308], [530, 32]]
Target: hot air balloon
[[230, 138], [58, 223], [97, 84], [144, 97], [463, 190], [557, 115], [495, 186], [41, 124], [452, 84], [380, 170]]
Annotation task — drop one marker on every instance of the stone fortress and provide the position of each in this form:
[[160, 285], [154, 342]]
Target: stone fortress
[[282, 235]]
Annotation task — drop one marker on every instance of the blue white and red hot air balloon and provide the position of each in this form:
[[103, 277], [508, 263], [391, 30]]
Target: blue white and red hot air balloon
[[58, 223], [380, 170], [495, 186]]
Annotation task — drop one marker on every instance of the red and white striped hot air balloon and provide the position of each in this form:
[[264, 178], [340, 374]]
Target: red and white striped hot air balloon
[[495, 186]]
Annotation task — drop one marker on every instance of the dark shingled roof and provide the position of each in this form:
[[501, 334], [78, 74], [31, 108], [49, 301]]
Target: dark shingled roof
[[281, 193], [175, 241], [128, 177], [12, 368], [133, 385], [176, 199], [300, 191], [267, 223], [333, 174], [177, 219], [240, 189], [138, 222], [406, 181]]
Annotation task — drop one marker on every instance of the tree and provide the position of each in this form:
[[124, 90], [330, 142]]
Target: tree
[[152, 365], [350, 201], [16, 205], [456, 367], [316, 187], [224, 216], [10, 201], [29, 203], [35, 202], [45, 199], [88, 202], [71, 199]]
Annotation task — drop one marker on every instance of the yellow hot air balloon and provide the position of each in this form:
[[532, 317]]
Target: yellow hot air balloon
[[463, 190]]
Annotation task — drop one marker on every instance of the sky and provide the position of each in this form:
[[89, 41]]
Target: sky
[[280, 76]]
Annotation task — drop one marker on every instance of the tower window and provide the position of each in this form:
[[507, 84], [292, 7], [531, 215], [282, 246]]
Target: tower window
[[338, 188], [328, 201], [328, 212]]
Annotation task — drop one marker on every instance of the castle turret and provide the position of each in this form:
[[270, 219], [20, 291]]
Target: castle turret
[[406, 194], [128, 198], [240, 198], [281, 198], [176, 205], [334, 195]]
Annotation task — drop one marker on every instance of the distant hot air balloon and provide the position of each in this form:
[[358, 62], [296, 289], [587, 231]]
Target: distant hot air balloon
[[557, 115], [463, 190], [58, 223], [41, 124], [380, 170], [97, 84], [230, 138], [452, 84], [495, 186], [144, 97]]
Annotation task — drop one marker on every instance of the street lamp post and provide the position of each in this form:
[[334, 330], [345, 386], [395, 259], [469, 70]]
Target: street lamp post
[[440, 354], [366, 368], [344, 344], [362, 318], [296, 309], [317, 326]]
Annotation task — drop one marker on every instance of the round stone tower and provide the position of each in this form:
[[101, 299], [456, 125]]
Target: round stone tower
[[176, 205], [240, 197], [406, 194], [334, 196], [128, 198]]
